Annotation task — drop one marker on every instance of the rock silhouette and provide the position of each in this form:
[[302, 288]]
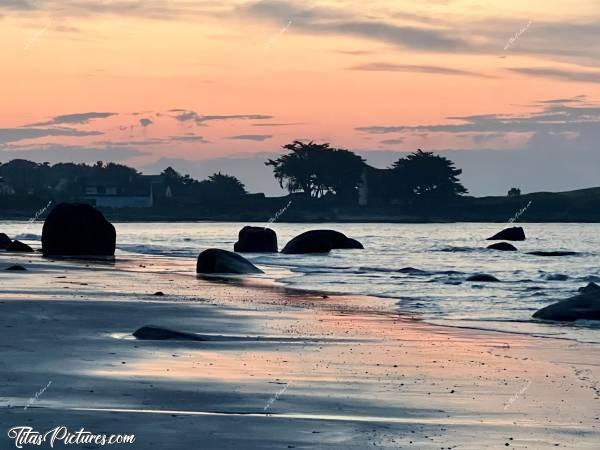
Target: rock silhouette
[[509, 234], [19, 247], [483, 277], [215, 260], [320, 241], [256, 240], [4, 241], [585, 305], [556, 253], [152, 333], [503, 246], [77, 229]]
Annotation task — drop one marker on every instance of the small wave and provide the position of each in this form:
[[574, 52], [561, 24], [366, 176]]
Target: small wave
[[158, 250], [453, 249], [28, 237], [555, 277]]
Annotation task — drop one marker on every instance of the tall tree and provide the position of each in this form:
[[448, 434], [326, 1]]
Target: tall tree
[[318, 170], [427, 176]]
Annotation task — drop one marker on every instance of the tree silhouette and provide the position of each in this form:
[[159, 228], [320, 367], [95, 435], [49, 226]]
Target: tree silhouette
[[514, 192], [424, 175], [318, 170]]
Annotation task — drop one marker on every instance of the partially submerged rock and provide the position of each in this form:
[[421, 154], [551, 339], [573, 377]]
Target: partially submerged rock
[[152, 333], [555, 253], [16, 268], [5, 241], [509, 234], [503, 246], [215, 260], [320, 241], [19, 247], [256, 240], [484, 278], [583, 306], [77, 229]]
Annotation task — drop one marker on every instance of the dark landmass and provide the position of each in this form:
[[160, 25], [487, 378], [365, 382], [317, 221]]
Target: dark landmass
[[325, 184], [572, 206]]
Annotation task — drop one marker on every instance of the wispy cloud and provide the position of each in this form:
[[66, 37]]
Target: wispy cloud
[[251, 137], [577, 76], [200, 119], [77, 118], [20, 134], [388, 67]]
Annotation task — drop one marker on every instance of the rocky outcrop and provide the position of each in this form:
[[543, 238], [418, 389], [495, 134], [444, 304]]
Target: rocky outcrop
[[4, 241], [320, 241], [484, 278], [77, 229], [583, 306], [256, 240], [16, 268], [503, 246], [509, 234], [219, 261], [19, 247]]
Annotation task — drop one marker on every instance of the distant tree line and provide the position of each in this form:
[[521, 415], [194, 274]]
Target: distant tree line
[[318, 170], [68, 180]]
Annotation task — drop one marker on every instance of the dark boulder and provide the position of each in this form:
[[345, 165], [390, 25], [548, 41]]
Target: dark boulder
[[4, 241], [256, 240], [19, 247], [557, 253], [77, 229], [509, 234], [152, 333], [484, 278], [16, 268], [215, 260], [320, 241], [503, 246], [583, 306], [590, 288]]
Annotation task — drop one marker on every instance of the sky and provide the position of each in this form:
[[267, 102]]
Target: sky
[[509, 90]]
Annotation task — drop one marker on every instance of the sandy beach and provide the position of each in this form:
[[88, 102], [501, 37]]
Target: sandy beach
[[278, 368]]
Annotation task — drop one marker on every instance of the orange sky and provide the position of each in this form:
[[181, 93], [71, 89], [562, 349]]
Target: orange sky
[[318, 69]]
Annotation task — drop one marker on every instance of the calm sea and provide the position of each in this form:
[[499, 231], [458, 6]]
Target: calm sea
[[422, 268]]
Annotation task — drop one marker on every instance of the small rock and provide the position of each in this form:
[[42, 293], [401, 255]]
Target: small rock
[[483, 277]]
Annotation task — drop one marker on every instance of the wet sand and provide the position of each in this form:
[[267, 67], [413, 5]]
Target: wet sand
[[283, 369]]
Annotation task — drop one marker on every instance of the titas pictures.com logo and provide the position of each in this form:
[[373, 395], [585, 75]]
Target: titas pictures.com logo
[[26, 436]]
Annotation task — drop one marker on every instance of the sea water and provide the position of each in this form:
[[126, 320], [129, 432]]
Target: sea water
[[421, 268]]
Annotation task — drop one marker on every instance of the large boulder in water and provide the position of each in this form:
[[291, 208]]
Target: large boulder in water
[[5, 241], [503, 246], [583, 306], [77, 229], [320, 241], [215, 260], [20, 247], [509, 234], [256, 240]]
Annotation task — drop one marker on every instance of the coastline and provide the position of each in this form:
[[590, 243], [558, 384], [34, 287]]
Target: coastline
[[357, 373]]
